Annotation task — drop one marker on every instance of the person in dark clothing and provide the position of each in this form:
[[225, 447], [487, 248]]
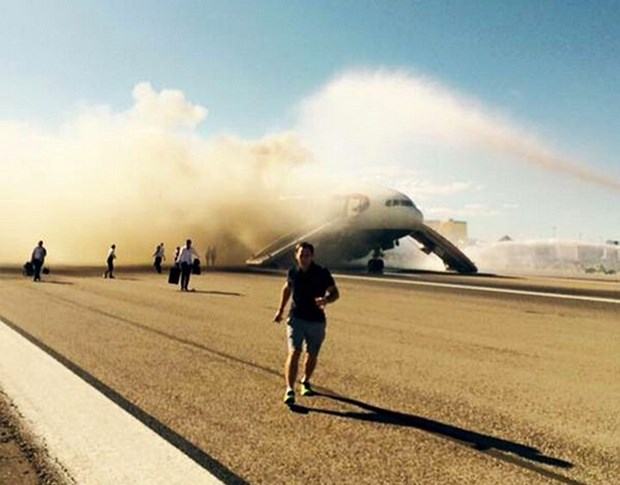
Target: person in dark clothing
[[159, 255], [211, 255], [37, 260], [312, 288], [110, 262]]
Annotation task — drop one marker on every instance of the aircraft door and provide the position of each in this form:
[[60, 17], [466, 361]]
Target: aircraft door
[[356, 204]]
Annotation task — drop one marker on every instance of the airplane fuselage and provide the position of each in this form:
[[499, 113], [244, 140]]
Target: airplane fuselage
[[372, 220], [356, 225], [387, 209]]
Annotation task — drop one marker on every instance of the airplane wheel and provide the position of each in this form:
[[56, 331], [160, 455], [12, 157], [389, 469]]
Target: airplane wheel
[[375, 266]]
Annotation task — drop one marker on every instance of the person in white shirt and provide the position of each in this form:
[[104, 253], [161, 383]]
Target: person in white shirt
[[160, 256], [186, 259], [110, 261], [37, 260]]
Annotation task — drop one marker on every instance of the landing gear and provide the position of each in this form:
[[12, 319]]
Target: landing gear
[[375, 265]]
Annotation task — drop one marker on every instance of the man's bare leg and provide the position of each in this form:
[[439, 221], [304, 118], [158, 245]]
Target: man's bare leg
[[290, 368], [309, 366]]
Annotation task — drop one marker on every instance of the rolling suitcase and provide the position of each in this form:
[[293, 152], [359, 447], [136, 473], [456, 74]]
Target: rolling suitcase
[[175, 274], [28, 269]]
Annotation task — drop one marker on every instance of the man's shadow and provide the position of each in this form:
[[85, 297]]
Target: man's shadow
[[477, 441]]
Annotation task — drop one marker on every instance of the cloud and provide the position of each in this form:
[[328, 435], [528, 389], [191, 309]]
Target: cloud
[[425, 189], [168, 108], [469, 210], [407, 180]]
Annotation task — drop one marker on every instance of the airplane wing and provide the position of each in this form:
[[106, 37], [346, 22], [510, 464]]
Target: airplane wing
[[452, 256], [284, 246], [337, 242]]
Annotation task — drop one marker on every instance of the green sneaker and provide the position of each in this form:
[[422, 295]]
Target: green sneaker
[[306, 389], [289, 398]]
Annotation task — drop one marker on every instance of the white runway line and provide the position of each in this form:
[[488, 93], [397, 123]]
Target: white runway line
[[95, 440], [563, 296]]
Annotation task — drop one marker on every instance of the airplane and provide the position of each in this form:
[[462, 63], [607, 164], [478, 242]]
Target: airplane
[[357, 224]]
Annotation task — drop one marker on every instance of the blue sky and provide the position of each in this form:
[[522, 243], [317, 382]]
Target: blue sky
[[550, 69]]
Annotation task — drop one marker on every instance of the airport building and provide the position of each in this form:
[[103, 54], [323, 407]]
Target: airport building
[[454, 231]]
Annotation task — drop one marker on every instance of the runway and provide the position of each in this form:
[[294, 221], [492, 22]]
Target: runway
[[423, 379]]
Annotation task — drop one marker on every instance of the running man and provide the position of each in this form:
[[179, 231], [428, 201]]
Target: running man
[[312, 287]]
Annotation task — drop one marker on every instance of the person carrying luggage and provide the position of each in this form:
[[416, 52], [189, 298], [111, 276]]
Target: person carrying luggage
[[37, 260], [186, 261]]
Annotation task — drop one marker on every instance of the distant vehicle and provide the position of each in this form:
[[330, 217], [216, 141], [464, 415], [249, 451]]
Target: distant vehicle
[[360, 223]]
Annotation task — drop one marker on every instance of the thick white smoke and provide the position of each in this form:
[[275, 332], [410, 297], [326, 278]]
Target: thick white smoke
[[367, 118], [137, 178], [146, 175]]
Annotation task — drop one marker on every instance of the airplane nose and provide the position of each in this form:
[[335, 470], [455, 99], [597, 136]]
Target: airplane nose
[[417, 214]]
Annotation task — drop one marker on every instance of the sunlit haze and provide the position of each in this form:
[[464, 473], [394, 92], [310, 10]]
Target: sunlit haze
[[208, 121]]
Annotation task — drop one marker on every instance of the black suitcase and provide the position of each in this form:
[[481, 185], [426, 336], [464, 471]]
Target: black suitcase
[[196, 266], [175, 274], [28, 269]]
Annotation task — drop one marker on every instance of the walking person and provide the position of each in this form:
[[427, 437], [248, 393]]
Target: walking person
[[110, 262], [312, 287], [37, 259], [186, 259], [210, 256], [160, 255], [213, 255]]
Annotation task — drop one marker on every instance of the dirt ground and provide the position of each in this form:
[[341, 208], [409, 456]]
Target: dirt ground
[[23, 461]]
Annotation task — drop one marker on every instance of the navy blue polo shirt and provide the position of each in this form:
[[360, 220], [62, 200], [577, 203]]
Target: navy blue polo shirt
[[305, 287]]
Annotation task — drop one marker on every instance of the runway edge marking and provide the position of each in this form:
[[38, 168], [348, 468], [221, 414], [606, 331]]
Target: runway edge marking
[[564, 296], [92, 437]]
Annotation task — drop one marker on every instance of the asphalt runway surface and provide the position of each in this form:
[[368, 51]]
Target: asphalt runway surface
[[418, 384]]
